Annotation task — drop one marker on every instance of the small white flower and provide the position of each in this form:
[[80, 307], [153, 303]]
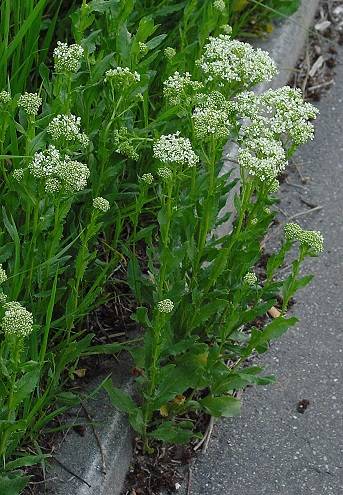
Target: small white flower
[[312, 239], [250, 279], [44, 163], [67, 128], [169, 52], [165, 173], [219, 5], [5, 97], [165, 306], [143, 48], [52, 185], [179, 87], [67, 58], [122, 76], [73, 174], [101, 204], [172, 148], [3, 298], [147, 178], [3, 275], [292, 231], [231, 61], [18, 174], [211, 116], [263, 158], [274, 186], [17, 320], [30, 102], [226, 28]]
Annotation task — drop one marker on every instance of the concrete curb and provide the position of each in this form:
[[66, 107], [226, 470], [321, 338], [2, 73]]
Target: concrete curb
[[82, 455], [99, 471]]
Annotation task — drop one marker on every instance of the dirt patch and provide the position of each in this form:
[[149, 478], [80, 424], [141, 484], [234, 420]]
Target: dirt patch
[[315, 71]]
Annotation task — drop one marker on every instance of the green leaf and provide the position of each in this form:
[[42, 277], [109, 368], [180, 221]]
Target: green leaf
[[68, 398], [302, 282], [102, 5], [141, 317], [277, 328], [271, 332], [137, 421], [134, 277], [174, 433], [13, 484], [119, 399], [28, 460], [221, 406], [206, 311], [154, 42], [26, 385], [145, 29]]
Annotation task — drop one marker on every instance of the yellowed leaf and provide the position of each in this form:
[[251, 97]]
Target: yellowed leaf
[[239, 5], [164, 411], [80, 372], [269, 27], [179, 399], [274, 312]]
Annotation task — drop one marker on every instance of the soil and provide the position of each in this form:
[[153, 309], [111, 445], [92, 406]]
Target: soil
[[314, 73]]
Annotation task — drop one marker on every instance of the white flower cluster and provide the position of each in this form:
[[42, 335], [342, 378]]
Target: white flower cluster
[[44, 163], [143, 48], [67, 129], [30, 102], [263, 158], [146, 178], [17, 320], [123, 145], [3, 275], [169, 52], [219, 5], [277, 113], [312, 239], [231, 61], [289, 114], [18, 174], [165, 306], [165, 173], [226, 28], [67, 58], [59, 173], [211, 116], [5, 97], [73, 175], [3, 298], [178, 88], [250, 278], [274, 186], [121, 77], [101, 204], [171, 148]]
